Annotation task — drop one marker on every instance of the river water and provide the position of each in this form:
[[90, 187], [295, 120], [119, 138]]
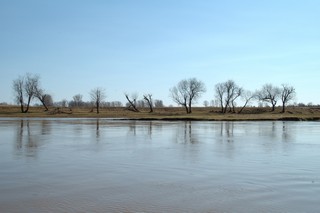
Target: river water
[[101, 165]]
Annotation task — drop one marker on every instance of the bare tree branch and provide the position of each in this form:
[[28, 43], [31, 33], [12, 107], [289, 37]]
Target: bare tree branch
[[226, 94], [18, 86], [220, 93], [25, 87], [287, 94], [187, 92], [269, 93], [246, 96], [97, 96], [148, 99], [132, 103]]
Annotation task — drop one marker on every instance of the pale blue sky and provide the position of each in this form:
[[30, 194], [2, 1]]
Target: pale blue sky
[[148, 46]]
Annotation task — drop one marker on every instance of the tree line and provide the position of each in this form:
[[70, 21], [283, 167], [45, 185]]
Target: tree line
[[27, 88], [186, 93], [227, 93]]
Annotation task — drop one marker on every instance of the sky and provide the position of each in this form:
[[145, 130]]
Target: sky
[[143, 46]]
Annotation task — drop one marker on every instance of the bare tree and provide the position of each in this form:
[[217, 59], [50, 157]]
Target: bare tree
[[233, 91], [132, 103], [187, 92], [220, 93], [77, 100], [237, 92], [226, 94], [148, 99], [269, 93], [179, 94], [48, 100], [206, 103], [287, 94], [18, 86], [43, 97], [25, 87], [228, 86], [31, 85], [246, 96], [97, 96], [158, 103], [33, 88]]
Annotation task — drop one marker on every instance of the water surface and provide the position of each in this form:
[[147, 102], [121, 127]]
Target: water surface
[[101, 165]]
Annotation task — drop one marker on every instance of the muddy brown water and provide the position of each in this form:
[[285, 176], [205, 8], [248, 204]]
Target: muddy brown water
[[101, 165]]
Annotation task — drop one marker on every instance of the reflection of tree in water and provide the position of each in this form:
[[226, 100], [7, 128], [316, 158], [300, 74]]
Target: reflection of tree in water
[[276, 135], [185, 134], [286, 132], [145, 129], [45, 127], [226, 143], [20, 135], [277, 129], [26, 141], [98, 129], [265, 129], [288, 136], [133, 127], [273, 131], [150, 129], [226, 131]]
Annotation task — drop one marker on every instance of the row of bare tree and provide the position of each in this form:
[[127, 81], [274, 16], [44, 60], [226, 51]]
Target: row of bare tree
[[26, 88], [229, 91], [185, 94], [188, 91]]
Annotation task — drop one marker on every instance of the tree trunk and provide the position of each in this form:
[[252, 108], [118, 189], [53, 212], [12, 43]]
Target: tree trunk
[[244, 106], [190, 109], [283, 108], [28, 104], [42, 99], [225, 108], [21, 106], [186, 107], [149, 101], [233, 107], [44, 104], [132, 104], [98, 106], [222, 108]]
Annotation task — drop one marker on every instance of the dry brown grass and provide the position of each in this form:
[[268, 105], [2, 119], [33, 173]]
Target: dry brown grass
[[168, 113]]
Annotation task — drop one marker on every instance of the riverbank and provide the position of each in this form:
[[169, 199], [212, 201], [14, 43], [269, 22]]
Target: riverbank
[[167, 113]]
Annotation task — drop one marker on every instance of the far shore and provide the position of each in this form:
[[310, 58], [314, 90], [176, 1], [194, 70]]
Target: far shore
[[168, 114]]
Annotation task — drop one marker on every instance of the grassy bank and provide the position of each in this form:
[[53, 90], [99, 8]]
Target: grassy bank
[[168, 113]]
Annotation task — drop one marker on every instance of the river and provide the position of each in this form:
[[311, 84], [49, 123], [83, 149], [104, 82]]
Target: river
[[103, 165]]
